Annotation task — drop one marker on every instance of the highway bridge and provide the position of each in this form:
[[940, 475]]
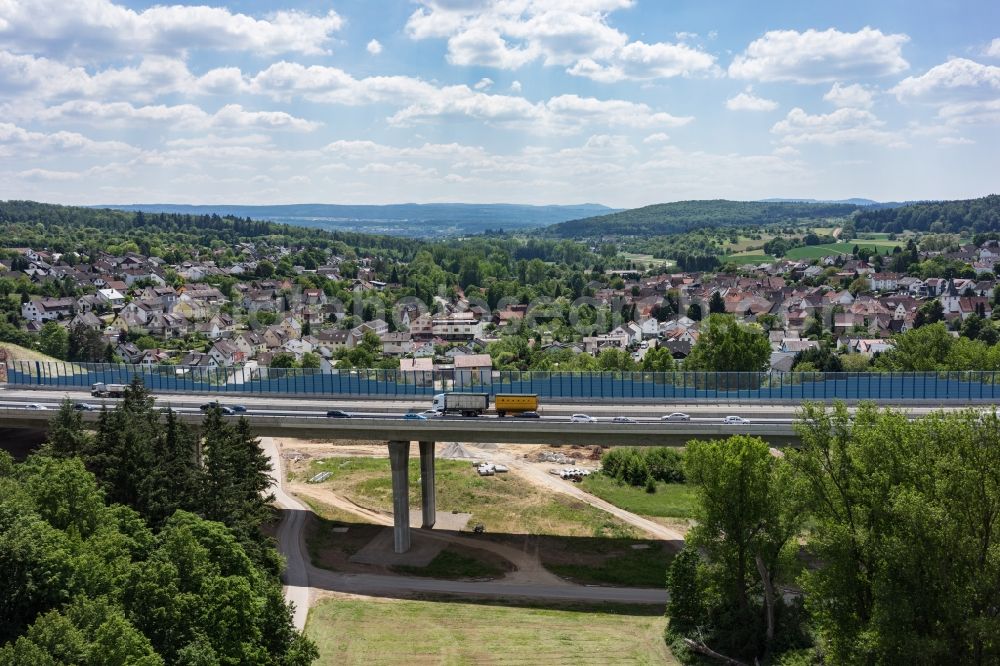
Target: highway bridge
[[389, 423], [33, 409]]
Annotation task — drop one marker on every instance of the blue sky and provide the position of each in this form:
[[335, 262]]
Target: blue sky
[[621, 102]]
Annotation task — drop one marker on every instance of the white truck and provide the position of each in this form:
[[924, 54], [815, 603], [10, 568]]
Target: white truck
[[102, 390], [466, 404]]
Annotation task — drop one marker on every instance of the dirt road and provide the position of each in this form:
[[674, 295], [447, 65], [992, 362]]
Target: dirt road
[[539, 475]]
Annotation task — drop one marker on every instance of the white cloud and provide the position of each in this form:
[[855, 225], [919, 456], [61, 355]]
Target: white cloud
[[966, 113], [515, 87], [152, 77], [639, 61], [509, 35], [993, 50], [855, 95], [484, 83], [955, 141], [180, 117], [27, 142], [374, 47], [657, 137], [963, 90], [841, 126], [815, 56], [100, 29], [49, 174], [958, 77], [748, 101], [421, 101]]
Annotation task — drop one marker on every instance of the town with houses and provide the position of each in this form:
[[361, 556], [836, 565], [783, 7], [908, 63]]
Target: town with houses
[[132, 298]]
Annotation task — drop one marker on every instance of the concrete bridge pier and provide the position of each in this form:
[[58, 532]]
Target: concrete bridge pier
[[427, 484], [399, 460]]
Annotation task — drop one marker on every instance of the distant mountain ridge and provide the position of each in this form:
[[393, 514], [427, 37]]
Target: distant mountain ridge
[[852, 202], [408, 219], [680, 216]]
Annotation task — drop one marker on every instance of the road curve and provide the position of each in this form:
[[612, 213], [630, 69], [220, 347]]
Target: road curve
[[290, 537], [301, 576]]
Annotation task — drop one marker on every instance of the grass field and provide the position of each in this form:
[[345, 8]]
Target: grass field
[[647, 259], [372, 632], [504, 503], [741, 259], [453, 565], [671, 500], [20, 353], [628, 564], [817, 251]]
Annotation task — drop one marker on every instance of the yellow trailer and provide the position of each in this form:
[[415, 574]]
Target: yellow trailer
[[515, 403]]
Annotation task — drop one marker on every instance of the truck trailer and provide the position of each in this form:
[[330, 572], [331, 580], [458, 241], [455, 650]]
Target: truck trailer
[[515, 403], [102, 390], [466, 404]]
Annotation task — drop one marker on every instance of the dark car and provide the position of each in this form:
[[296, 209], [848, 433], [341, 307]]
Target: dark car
[[84, 407], [337, 414], [239, 409], [228, 411], [527, 415]]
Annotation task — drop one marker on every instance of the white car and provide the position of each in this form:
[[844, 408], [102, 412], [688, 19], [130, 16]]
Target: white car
[[34, 405], [582, 418], [735, 420], [622, 419], [431, 413], [676, 416]]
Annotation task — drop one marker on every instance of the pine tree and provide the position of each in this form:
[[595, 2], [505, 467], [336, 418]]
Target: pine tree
[[67, 437], [174, 482], [715, 304], [121, 455]]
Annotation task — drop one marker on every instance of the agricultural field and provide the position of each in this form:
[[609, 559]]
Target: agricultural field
[[377, 631], [742, 259], [818, 251], [647, 260]]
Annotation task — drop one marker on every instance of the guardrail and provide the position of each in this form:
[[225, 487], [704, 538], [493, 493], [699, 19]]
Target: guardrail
[[967, 386], [464, 430]]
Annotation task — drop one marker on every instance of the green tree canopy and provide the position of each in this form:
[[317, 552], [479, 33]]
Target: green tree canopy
[[727, 345]]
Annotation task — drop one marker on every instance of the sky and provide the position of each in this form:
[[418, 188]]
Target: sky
[[619, 102]]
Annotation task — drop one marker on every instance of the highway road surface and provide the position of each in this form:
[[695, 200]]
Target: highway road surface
[[301, 577], [278, 405]]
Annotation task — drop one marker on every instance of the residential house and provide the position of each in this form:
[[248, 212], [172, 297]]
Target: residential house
[[111, 296], [47, 309], [226, 354], [397, 344], [473, 370], [128, 352]]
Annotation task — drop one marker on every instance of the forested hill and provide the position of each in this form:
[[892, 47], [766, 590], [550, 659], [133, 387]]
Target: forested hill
[[414, 220], [966, 215], [681, 216], [31, 224]]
